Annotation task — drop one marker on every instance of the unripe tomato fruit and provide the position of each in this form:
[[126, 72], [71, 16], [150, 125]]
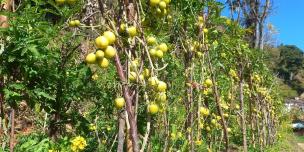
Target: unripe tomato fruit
[[71, 2], [72, 24], [77, 22]]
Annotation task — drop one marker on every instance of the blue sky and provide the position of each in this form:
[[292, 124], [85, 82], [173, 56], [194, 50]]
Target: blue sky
[[287, 17]]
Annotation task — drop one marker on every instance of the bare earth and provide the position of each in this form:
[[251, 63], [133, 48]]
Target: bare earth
[[301, 146]]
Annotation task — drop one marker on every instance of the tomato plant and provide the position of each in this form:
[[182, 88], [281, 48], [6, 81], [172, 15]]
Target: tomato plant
[[136, 75]]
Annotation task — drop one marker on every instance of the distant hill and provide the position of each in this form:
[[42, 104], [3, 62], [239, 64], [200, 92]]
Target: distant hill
[[287, 62]]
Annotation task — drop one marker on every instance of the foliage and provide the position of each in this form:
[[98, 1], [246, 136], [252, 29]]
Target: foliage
[[287, 141], [291, 59], [207, 80], [287, 62]]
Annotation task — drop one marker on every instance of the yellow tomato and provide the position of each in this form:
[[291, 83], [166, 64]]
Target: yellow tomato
[[169, 17], [92, 127], [199, 54], [237, 107], [198, 142], [205, 30], [152, 52], [204, 111], [164, 11], [151, 40], [110, 36], [99, 54], [104, 63], [72, 24], [77, 22], [132, 76], [167, 1], [152, 81], [159, 54], [101, 42], [163, 47], [161, 86], [59, 2], [152, 108], [90, 58], [122, 28], [208, 83], [200, 19], [154, 2], [132, 31], [119, 102], [146, 73], [162, 5], [213, 121], [95, 76], [228, 21], [158, 11], [110, 52], [232, 73]]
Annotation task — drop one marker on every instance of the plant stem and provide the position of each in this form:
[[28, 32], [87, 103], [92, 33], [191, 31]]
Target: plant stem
[[218, 104], [243, 121]]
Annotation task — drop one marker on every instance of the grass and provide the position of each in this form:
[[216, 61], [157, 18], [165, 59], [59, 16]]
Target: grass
[[300, 139], [287, 141]]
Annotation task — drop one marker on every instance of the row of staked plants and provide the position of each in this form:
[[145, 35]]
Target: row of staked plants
[[133, 75]]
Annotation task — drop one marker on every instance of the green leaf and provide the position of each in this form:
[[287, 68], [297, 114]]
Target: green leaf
[[8, 94], [28, 144], [34, 50], [44, 94], [18, 86], [11, 58]]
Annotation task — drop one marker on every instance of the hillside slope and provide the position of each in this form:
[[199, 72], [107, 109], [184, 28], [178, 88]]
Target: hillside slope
[[286, 61]]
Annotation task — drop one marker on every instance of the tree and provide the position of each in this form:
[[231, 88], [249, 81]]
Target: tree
[[254, 14], [291, 61]]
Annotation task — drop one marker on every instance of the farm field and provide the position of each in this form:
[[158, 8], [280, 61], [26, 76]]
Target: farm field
[[146, 76]]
